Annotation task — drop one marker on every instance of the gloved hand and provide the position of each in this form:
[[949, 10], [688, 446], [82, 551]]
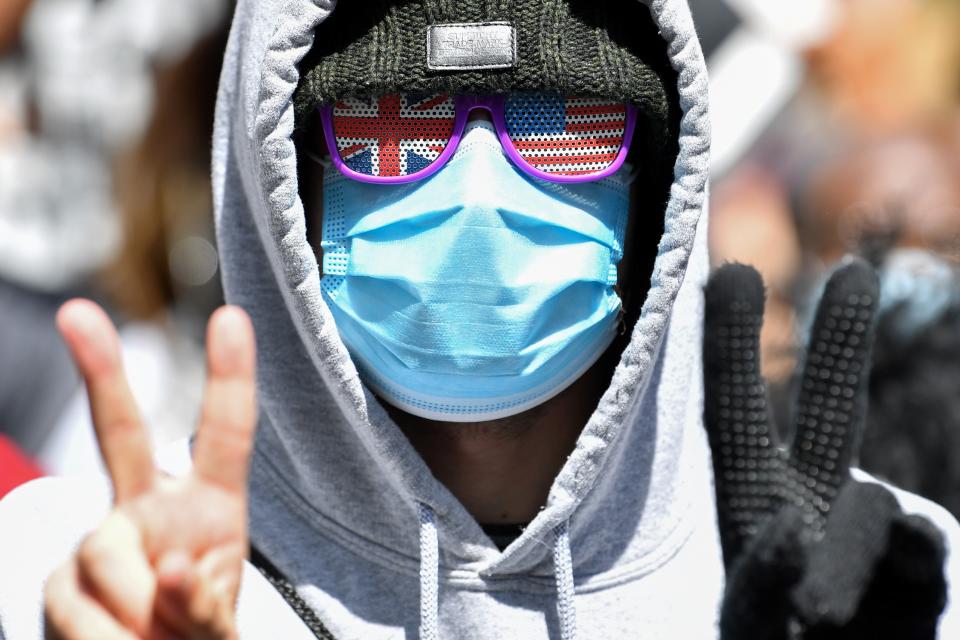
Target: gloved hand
[[810, 553]]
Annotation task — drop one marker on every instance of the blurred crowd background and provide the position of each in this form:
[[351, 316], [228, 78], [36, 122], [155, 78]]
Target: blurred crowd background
[[837, 131]]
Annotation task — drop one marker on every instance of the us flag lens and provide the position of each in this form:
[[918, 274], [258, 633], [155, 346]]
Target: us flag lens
[[565, 136], [394, 135]]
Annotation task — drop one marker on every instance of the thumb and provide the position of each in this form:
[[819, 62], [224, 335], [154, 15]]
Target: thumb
[[196, 598], [909, 590], [757, 603], [844, 561]]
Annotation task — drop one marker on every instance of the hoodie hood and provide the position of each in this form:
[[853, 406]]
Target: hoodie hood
[[339, 498]]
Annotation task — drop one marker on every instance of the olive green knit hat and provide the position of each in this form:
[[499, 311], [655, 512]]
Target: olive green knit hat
[[601, 48]]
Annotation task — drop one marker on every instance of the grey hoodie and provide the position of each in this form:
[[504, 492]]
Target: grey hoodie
[[341, 503]]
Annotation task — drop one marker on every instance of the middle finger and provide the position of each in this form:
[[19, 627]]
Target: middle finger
[[123, 441]]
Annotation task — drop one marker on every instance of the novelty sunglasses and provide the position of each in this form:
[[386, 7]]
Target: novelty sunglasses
[[405, 137]]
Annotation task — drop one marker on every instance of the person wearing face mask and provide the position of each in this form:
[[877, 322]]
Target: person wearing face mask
[[479, 321]]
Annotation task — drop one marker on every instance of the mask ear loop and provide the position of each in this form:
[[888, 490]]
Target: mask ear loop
[[322, 161], [627, 174]]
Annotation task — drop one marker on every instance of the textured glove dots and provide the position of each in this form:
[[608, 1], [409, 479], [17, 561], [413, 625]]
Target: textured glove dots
[[477, 293], [810, 553]]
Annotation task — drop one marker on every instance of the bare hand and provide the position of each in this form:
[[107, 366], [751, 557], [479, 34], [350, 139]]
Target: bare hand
[[167, 561]]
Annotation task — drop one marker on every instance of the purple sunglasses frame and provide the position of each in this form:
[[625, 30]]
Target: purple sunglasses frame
[[463, 106]]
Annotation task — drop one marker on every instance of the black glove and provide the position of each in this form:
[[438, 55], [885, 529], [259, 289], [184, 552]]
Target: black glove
[[810, 554]]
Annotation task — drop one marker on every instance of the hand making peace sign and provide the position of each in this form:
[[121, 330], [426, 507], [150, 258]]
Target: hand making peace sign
[[167, 561]]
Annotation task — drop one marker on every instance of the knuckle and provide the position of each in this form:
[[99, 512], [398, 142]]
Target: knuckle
[[123, 426], [56, 598], [234, 440], [231, 438], [62, 582], [56, 625], [94, 550]]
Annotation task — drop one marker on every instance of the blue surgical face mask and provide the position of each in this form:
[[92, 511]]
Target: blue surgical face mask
[[477, 293]]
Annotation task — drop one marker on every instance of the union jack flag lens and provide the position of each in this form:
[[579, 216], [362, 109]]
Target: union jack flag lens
[[393, 135], [565, 136]]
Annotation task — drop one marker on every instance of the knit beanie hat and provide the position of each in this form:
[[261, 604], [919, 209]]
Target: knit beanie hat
[[598, 48]]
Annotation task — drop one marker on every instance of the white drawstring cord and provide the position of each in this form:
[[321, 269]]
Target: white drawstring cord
[[563, 571], [430, 578], [429, 574]]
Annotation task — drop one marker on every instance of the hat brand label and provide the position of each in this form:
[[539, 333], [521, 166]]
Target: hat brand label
[[472, 45]]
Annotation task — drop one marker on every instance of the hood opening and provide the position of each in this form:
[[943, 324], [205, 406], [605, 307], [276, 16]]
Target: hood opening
[[653, 152]]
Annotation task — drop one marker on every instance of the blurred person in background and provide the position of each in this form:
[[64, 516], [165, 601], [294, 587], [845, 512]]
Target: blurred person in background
[[104, 190], [11, 16], [15, 467], [889, 65], [882, 71], [914, 439], [896, 201], [904, 185]]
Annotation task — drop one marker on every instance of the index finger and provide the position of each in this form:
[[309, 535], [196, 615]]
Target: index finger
[[123, 441], [221, 451], [735, 405]]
